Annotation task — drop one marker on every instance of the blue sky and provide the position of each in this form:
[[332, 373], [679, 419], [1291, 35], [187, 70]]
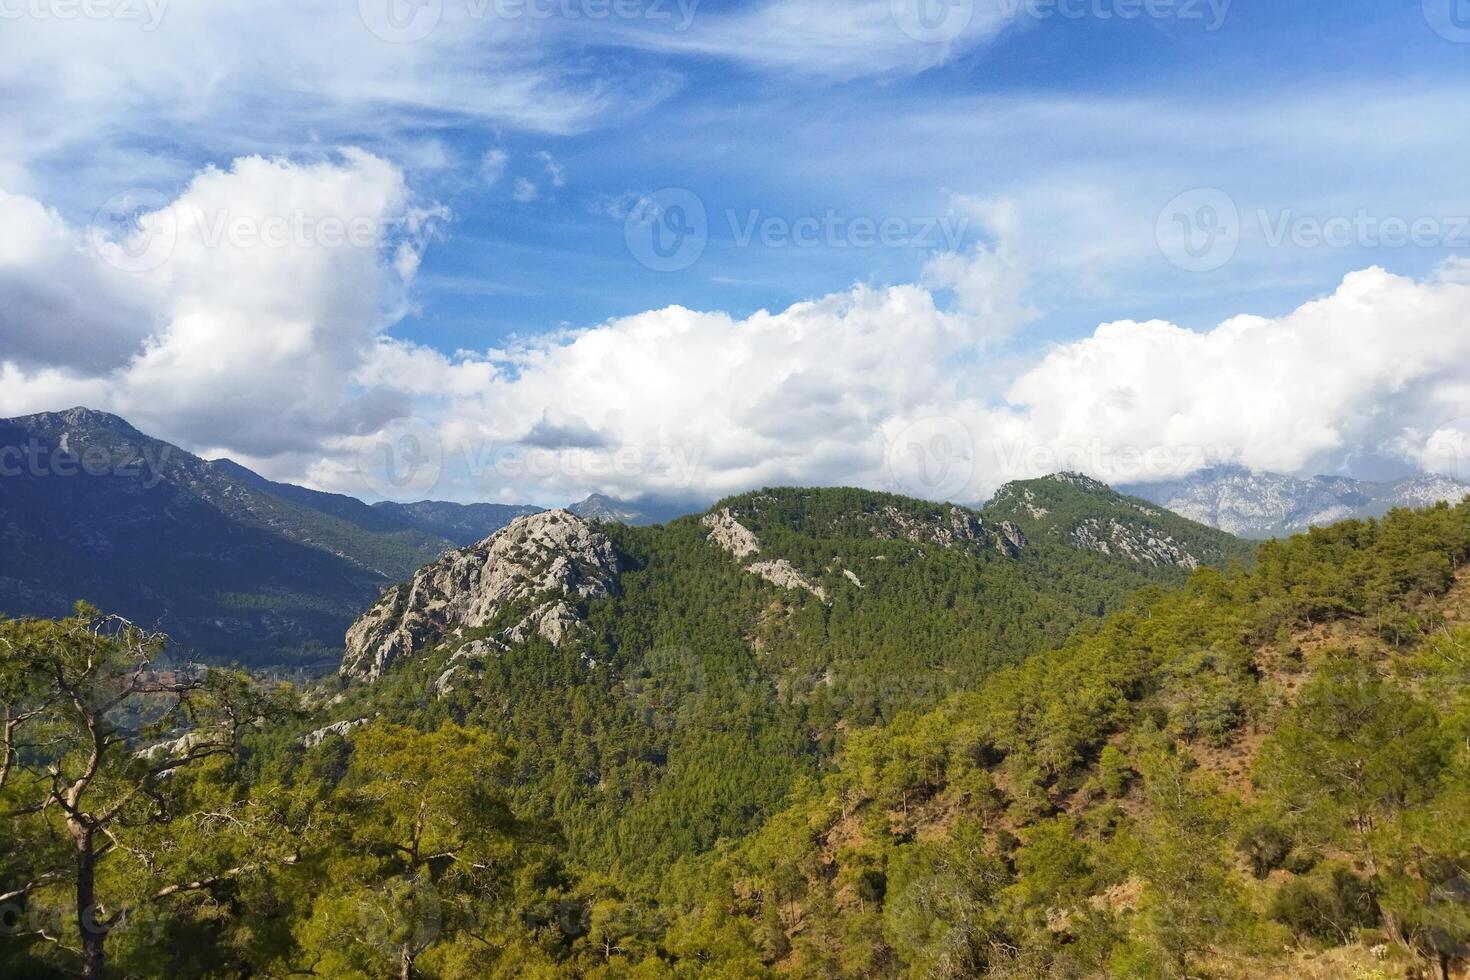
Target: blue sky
[[1049, 151], [903, 145]]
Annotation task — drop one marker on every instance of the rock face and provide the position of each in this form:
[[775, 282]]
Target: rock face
[[1262, 505], [312, 739], [952, 528], [730, 534], [741, 542], [1011, 539], [552, 560], [782, 574], [948, 527], [1145, 545]]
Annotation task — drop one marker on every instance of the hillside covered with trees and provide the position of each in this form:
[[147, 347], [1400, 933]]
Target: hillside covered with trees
[[1261, 771]]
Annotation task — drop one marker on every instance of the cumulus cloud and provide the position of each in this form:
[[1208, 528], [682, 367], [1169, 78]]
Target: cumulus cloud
[[59, 304], [1366, 373], [249, 316], [876, 387], [245, 306]]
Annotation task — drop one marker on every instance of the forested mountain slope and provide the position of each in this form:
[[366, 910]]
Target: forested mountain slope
[[1083, 513], [229, 564], [1264, 772], [670, 684]]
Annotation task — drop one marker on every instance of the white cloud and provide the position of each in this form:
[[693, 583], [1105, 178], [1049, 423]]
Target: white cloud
[[840, 389], [264, 289], [492, 166], [525, 191], [251, 334], [1366, 373], [555, 172], [57, 302], [840, 38]]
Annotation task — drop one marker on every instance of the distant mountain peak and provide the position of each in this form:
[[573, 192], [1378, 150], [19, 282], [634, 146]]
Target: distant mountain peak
[[1080, 480], [79, 417], [1087, 514], [227, 562], [601, 507], [1262, 504]]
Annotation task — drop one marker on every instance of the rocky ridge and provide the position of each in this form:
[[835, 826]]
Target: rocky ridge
[[953, 527], [1113, 537], [547, 562], [1264, 504], [729, 534], [1086, 514]]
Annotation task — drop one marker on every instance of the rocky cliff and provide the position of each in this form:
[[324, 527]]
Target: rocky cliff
[[527, 578]]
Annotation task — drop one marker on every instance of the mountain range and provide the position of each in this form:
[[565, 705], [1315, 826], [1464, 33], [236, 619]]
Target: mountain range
[[1265, 505], [230, 564], [235, 566], [625, 658], [822, 732]]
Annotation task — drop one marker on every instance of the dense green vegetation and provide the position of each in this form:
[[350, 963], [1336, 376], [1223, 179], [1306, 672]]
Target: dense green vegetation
[[1263, 772], [1065, 506], [701, 693]]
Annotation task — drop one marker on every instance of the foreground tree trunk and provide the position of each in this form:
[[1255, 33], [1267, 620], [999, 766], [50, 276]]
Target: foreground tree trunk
[[89, 919]]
